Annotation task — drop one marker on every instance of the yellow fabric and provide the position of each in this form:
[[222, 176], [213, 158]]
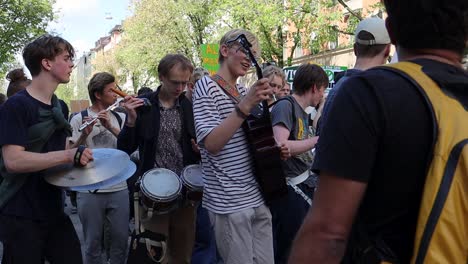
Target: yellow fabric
[[449, 242]]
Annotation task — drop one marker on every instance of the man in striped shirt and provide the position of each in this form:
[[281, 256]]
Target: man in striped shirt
[[241, 220]]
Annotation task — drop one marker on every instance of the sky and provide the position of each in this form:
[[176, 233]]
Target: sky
[[83, 22]]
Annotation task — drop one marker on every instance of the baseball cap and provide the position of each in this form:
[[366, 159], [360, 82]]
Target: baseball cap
[[376, 27]]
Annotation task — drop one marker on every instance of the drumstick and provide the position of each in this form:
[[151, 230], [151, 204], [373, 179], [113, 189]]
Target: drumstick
[[119, 92], [123, 94]]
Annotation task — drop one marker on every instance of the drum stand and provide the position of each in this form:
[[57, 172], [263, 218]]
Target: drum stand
[[140, 229]]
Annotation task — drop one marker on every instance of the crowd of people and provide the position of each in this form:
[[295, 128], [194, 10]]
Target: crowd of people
[[359, 175]]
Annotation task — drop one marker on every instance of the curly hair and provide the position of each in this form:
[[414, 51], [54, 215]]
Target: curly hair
[[18, 81], [429, 24]]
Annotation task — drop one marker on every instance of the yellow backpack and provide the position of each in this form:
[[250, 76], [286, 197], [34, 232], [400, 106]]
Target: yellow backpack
[[442, 227]]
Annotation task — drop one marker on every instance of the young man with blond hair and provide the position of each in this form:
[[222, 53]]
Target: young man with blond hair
[[241, 220]]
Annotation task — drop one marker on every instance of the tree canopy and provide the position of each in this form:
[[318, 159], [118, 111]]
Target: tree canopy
[[20, 22]]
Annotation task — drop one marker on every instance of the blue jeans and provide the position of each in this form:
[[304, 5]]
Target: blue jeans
[[287, 216], [204, 250]]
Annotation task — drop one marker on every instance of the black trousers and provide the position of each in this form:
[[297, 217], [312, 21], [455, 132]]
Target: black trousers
[[31, 242], [287, 215]]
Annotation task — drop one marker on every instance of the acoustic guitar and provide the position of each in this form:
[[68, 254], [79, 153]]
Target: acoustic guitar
[[266, 153]]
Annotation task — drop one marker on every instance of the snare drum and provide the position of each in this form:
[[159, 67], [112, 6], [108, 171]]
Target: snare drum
[[159, 190], [192, 179]]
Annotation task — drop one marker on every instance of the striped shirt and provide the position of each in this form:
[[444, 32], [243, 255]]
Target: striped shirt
[[230, 184]]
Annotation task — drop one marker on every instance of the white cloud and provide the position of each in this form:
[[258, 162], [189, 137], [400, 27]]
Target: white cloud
[[75, 6], [80, 46]]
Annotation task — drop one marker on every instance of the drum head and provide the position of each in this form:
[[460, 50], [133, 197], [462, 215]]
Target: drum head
[[161, 184], [192, 176]]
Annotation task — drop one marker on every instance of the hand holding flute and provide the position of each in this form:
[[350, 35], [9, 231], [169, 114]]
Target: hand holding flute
[[130, 105], [92, 121]]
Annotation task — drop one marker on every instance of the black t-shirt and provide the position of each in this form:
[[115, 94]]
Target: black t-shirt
[[37, 199], [378, 130]]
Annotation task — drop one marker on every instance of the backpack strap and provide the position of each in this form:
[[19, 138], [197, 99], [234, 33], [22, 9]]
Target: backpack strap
[[84, 113], [117, 116]]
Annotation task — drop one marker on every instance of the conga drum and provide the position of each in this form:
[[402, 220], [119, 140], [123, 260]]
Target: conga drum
[[159, 191]]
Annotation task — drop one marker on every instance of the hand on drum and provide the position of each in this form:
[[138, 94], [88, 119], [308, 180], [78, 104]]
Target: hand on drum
[[130, 104]]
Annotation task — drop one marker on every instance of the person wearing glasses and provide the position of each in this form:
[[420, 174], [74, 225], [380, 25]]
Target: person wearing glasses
[[276, 80], [237, 210], [164, 134]]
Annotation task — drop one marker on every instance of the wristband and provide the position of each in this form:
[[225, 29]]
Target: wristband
[[78, 154], [240, 113]]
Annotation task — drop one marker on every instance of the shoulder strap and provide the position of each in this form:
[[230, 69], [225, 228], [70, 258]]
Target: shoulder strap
[[117, 116], [84, 113], [227, 89]]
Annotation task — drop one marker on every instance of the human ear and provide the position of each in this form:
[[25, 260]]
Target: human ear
[[46, 64]]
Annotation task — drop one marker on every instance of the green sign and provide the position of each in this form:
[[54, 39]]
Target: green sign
[[331, 70], [290, 72], [209, 56]]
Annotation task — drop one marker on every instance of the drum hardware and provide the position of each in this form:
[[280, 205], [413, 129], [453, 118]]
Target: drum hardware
[[139, 228]]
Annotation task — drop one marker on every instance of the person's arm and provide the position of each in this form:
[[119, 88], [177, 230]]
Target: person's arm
[[79, 138], [18, 160], [221, 134], [296, 147], [324, 232], [127, 138]]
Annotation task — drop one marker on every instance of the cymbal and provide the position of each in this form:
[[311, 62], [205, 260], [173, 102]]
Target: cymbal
[[124, 175], [107, 164]]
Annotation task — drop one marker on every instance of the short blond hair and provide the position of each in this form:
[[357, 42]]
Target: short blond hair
[[234, 33], [275, 71]]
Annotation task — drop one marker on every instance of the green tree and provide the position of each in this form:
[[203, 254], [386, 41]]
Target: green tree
[[20, 22], [161, 27]]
